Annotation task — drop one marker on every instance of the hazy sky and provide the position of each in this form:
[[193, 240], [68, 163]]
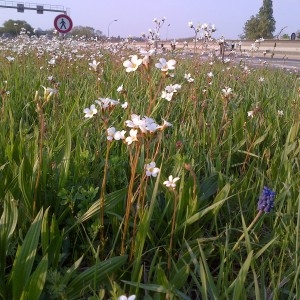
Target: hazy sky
[[136, 16]]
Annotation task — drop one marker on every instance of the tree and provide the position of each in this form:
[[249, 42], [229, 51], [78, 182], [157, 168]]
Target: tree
[[261, 25], [285, 36], [86, 31], [14, 27]]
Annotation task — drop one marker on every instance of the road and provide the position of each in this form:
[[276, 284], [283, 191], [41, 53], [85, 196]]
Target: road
[[289, 64]]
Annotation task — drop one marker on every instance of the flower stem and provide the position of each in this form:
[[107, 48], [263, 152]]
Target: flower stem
[[172, 229], [130, 197], [102, 195], [248, 229]]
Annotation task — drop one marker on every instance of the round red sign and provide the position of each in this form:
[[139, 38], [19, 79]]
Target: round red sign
[[63, 23]]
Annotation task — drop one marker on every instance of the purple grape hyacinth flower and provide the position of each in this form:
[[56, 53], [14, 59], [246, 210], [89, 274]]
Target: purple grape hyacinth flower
[[266, 200]]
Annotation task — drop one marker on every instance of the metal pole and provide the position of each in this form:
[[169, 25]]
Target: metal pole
[[109, 26]]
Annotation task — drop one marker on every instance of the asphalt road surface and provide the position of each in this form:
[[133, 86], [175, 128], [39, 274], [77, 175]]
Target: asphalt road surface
[[288, 64]]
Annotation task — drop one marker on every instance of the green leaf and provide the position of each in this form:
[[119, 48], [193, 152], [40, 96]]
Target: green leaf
[[25, 256], [262, 138], [8, 223], [142, 231], [209, 187], [37, 281], [239, 282], [65, 165], [70, 272], [45, 232], [23, 184], [111, 200], [223, 194], [209, 279], [181, 275], [218, 202], [93, 276]]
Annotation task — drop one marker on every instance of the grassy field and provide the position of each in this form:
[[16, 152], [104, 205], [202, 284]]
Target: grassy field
[[141, 175]]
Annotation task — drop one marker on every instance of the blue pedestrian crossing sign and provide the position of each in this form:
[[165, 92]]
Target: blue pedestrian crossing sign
[[63, 23]]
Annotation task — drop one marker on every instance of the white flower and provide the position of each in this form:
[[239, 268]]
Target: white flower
[[250, 113], [167, 96], [227, 91], [10, 58], [173, 88], [119, 135], [94, 65], [132, 136], [261, 79], [171, 182], [105, 103], [110, 133], [120, 88], [147, 53], [145, 125], [90, 112], [134, 122], [49, 91], [165, 65], [151, 169], [124, 105], [165, 125], [133, 64], [190, 24], [113, 134], [52, 61], [152, 127], [280, 113], [210, 74], [123, 297], [188, 77], [169, 91]]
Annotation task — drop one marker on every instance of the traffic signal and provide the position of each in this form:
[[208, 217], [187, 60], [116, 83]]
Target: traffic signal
[[20, 7], [40, 9]]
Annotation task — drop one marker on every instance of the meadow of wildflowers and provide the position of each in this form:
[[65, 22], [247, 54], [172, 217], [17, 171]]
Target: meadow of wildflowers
[[136, 172]]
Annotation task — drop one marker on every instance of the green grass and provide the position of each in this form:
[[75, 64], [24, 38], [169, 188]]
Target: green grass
[[89, 223]]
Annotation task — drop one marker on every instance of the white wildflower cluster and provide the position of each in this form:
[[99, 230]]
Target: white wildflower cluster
[[227, 91], [153, 34], [107, 103], [188, 77], [141, 126], [138, 125], [134, 62], [169, 91], [145, 124], [103, 104], [206, 29], [113, 134]]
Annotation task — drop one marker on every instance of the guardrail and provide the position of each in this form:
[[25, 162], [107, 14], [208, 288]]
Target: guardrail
[[290, 48]]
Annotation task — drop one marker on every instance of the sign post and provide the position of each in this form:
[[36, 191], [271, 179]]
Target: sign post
[[63, 23]]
